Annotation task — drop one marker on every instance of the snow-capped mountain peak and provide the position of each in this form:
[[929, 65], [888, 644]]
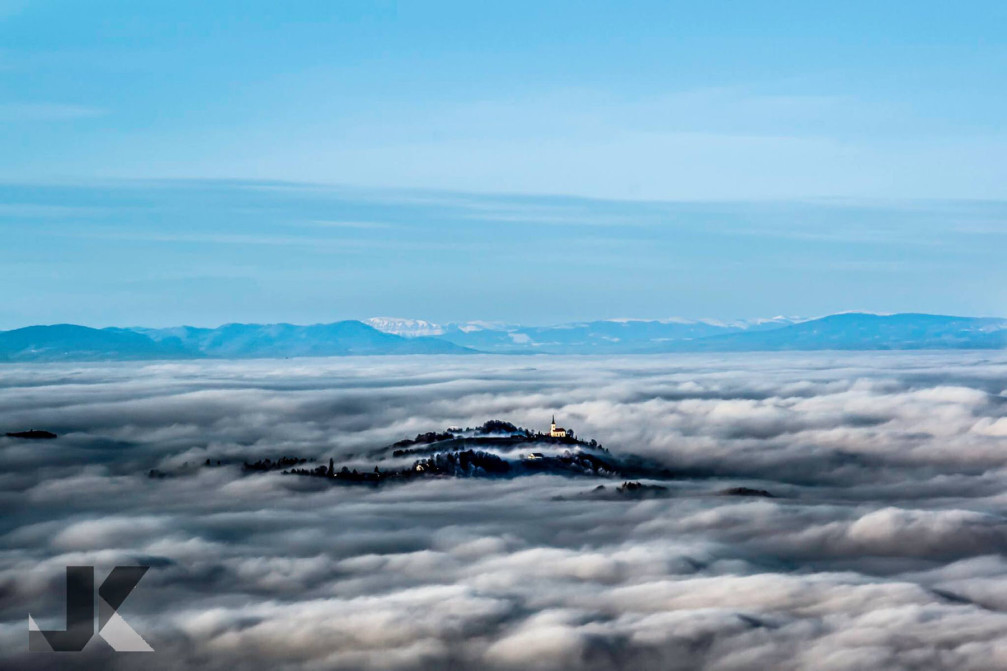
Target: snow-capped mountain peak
[[407, 328]]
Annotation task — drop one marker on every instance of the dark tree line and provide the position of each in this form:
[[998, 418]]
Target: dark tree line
[[464, 463], [269, 465]]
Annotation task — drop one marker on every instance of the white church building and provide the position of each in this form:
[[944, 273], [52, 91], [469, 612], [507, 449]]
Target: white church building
[[559, 431]]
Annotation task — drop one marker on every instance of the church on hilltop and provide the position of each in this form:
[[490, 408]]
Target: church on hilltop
[[559, 431]]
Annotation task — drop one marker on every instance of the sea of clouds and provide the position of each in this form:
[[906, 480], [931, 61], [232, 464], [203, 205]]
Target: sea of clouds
[[885, 546]]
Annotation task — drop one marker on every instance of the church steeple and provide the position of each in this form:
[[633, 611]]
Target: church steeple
[[558, 431]]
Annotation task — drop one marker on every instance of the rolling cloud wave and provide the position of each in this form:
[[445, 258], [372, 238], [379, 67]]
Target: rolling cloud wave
[[884, 546]]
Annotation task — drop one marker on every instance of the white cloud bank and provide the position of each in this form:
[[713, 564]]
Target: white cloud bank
[[885, 547]]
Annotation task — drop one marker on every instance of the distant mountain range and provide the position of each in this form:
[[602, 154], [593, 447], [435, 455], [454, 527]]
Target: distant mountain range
[[847, 331], [343, 338], [67, 342]]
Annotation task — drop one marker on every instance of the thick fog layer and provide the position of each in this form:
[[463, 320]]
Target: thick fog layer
[[885, 545]]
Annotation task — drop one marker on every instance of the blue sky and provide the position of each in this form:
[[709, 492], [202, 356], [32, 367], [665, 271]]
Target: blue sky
[[529, 161]]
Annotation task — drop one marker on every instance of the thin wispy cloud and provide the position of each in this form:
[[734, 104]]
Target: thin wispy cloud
[[46, 211], [37, 112], [238, 239], [362, 225], [525, 259]]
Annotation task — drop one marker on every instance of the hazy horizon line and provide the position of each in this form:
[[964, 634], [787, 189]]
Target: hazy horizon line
[[491, 324]]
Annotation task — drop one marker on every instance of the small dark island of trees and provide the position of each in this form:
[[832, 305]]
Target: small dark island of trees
[[496, 449], [32, 434]]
